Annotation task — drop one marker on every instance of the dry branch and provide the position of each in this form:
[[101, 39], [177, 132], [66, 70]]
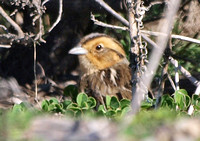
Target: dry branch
[[99, 23], [176, 75], [59, 15], [111, 11], [180, 37], [13, 23], [5, 46]]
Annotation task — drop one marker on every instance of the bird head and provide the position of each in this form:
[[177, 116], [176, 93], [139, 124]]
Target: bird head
[[99, 51]]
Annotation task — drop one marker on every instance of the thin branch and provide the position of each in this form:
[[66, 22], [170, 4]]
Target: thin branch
[[14, 12], [180, 37], [176, 75], [155, 3], [59, 15], [186, 73], [171, 81], [44, 2], [105, 24], [157, 52], [41, 30], [184, 38], [111, 11], [4, 28], [151, 42], [197, 91], [34, 69], [5, 46], [13, 23]]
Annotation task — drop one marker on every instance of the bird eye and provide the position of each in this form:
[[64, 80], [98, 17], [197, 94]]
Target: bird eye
[[99, 47]]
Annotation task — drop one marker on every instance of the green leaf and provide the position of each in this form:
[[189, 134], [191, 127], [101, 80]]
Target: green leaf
[[66, 103], [85, 106], [125, 111], [59, 108], [146, 105], [110, 113], [81, 99], [45, 105], [196, 101], [114, 102], [17, 108], [182, 99], [101, 108], [53, 101], [91, 102], [167, 101], [73, 106], [51, 107], [71, 91], [78, 113], [125, 103], [22, 107], [69, 112], [108, 99]]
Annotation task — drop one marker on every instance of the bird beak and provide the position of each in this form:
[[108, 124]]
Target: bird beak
[[78, 51]]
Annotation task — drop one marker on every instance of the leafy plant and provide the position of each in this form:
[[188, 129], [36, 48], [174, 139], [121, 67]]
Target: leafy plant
[[114, 108]]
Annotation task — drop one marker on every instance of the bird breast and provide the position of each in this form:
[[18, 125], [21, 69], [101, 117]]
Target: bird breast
[[110, 81]]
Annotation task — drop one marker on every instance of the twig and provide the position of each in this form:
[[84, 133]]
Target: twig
[[4, 28], [13, 23], [180, 37], [184, 38], [151, 42], [185, 73], [14, 12], [110, 10], [176, 75], [155, 3], [5, 46], [157, 52], [105, 24], [44, 2], [34, 69], [197, 91], [171, 81], [40, 33], [59, 15]]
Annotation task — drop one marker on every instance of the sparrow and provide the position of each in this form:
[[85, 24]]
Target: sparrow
[[104, 67]]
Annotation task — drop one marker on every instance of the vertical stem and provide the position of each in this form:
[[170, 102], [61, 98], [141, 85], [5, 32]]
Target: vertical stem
[[134, 50], [34, 69]]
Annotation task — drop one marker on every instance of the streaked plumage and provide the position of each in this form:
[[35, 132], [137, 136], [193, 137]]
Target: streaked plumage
[[104, 67]]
